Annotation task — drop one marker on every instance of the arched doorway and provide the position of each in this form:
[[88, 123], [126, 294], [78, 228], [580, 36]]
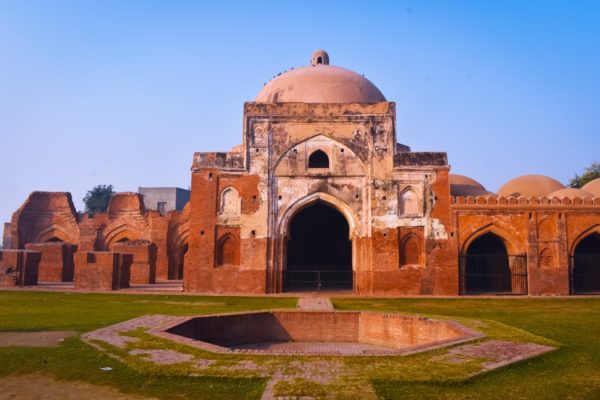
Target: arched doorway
[[177, 262], [586, 265], [486, 267], [318, 250], [182, 259]]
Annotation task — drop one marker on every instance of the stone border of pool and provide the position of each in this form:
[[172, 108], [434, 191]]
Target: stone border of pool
[[467, 335]]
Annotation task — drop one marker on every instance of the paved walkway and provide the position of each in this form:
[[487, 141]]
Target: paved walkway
[[315, 303]]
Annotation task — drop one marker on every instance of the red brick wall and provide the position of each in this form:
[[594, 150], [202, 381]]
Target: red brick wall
[[102, 270], [545, 230], [143, 266], [57, 263], [399, 331], [19, 267]]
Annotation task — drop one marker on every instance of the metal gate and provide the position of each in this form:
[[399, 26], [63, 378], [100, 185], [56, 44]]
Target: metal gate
[[483, 274], [586, 278], [318, 277]]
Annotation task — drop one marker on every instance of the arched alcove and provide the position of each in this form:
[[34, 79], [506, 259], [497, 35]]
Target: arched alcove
[[228, 251], [409, 203], [410, 250], [230, 202]]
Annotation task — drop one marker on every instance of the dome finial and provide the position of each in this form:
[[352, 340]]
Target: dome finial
[[319, 57]]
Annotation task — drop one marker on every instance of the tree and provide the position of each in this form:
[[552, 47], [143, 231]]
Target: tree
[[97, 199], [592, 172]]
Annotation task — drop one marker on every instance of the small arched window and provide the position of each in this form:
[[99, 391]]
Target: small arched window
[[318, 159]]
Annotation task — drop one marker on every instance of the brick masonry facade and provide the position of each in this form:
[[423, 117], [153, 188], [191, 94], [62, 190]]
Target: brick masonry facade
[[410, 230]]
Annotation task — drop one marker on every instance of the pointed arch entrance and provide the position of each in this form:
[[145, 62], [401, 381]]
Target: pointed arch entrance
[[318, 250], [488, 268], [586, 265]]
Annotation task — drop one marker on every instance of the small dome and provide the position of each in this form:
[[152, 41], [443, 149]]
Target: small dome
[[570, 193], [461, 185], [125, 202], [320, 83], [319, 57], [593, 187], [530, 186]]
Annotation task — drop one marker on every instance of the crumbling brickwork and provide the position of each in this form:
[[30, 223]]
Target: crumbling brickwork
[[101, 270], [56, 263], [18, 268], [143, 266]]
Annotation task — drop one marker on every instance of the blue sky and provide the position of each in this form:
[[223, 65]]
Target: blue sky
[[123, 92]]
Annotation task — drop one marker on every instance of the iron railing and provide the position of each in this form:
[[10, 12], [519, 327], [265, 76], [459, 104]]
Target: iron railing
[[585, 274], [318, 277], [493, 274]]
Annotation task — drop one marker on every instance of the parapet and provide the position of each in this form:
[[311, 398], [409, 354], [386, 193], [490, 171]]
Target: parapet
[[421, 159], [520, 201], [230, 160]]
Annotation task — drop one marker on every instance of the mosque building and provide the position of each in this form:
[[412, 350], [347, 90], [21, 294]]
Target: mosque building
[[321, 196]]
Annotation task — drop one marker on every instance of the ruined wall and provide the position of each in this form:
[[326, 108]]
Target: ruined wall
[[18, 268], [227, 243], [56, 263], [178, 243], [143, 265], [43, 217], [6, 236], [102, 270], [47, 217]]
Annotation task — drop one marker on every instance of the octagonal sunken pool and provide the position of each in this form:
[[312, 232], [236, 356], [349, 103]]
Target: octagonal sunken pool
[[346, 333]]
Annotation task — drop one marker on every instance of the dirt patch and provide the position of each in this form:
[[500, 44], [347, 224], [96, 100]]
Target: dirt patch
[[37, 387], [34, 339]]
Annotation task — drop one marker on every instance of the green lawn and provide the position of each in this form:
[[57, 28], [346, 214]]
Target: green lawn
[[572, 372], [74, 360]]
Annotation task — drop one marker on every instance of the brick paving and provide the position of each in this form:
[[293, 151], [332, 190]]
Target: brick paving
[[162, 357], [315, 303], [112, 334], [497, 353], [491, 353]]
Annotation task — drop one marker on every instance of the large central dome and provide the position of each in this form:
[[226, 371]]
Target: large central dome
[[320, 83]]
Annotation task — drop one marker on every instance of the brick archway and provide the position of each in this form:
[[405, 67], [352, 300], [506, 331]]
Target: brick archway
[[318, 250], [283, 234], [585, 264]]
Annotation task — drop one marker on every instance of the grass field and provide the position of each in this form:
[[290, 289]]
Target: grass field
[[74, 360], [572, 372]]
